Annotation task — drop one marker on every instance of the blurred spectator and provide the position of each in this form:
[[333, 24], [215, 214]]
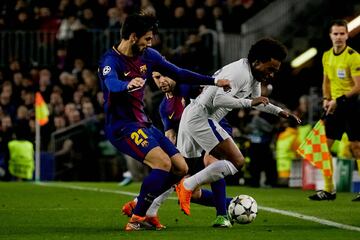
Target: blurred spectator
[[147, 7], [63, 6], [46, 21], [193, 54], [88, 19], [179, 19], [114, 18], [91, 84], [56, 105], [45, 86], [78, 67], [68, 26], [88, 110], [202, 20], [29, 100], [218, 15], [23, 21], [68, 83], [22, 116], [61, 59], [7, 106], [74, 117], [78, 95]]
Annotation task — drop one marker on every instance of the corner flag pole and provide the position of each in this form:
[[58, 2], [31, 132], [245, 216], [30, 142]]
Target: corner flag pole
[[37, 151]]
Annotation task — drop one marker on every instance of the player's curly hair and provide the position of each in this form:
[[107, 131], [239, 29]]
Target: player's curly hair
[[138, 24], [265, 49]]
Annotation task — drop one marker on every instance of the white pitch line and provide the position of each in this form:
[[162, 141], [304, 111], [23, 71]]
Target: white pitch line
[[268, 209], [311, 218]]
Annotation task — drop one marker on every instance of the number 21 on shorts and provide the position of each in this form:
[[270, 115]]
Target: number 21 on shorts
[[139, 137]]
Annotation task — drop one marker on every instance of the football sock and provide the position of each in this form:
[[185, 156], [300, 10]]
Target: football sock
[[219, 190], [207, 199], [170, 181], [328, 181], [358, 165], [211, 173], [150, 189], [154, 208]]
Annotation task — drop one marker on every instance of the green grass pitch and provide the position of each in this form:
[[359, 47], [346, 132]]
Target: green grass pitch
[[75, 210]]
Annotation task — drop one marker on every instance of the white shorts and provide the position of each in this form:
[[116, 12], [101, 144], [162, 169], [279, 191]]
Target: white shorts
[[197, 132]]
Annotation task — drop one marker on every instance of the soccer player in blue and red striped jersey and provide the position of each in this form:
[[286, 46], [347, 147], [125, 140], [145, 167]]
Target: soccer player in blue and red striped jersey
[[123, 71]]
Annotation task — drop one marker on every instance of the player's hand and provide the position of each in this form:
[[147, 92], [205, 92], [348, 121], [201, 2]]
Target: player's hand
[[224, 83], [135, 84], [290, 116], [260, 100]]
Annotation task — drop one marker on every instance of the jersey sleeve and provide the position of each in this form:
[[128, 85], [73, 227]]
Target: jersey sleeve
[[178, 74], [228, 99], [355, 65], [164, 117]]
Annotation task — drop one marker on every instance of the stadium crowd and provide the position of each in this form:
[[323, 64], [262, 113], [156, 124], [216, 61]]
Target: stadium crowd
[[71, 89]]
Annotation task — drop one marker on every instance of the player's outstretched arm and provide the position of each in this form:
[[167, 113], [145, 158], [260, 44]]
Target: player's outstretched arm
[[290, 116]]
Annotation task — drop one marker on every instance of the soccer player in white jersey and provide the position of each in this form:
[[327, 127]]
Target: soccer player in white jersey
[[199, 128]]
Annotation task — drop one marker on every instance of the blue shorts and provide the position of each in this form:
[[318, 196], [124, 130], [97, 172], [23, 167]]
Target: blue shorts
[[138, 141]]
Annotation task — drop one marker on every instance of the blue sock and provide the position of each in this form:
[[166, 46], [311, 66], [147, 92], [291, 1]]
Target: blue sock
[[207, 199], [150, 189], [219, 190]]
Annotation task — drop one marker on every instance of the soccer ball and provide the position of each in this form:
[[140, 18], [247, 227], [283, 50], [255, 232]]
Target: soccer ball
[[243, 209]]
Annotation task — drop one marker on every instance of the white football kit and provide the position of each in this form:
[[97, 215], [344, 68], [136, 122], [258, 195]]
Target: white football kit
[[199, 128]]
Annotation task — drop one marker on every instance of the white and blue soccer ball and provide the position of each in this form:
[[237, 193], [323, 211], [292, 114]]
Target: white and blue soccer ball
[[243, 209]]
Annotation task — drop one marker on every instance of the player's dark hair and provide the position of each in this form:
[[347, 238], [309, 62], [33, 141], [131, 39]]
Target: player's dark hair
[[265, 49], [138, 24], [338, 22]]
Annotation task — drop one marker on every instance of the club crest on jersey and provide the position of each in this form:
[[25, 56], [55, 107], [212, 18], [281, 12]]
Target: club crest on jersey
[[143, 69], [106, 70]]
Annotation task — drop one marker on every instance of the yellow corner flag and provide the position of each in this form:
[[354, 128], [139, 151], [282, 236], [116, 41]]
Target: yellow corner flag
[[315, 150], [41, 110]]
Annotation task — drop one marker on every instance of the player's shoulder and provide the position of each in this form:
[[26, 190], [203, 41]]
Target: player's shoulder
[[151, 54], [327, 52], [109, 55], [351, 51]]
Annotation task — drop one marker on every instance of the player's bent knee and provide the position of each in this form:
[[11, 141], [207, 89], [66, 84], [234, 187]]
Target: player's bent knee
[[238, 162], [180, 171], [163, 164]]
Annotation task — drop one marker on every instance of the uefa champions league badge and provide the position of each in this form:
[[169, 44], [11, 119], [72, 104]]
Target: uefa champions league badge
[[341, 73], [106, 70]]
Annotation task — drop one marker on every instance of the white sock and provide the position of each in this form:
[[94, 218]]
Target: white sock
[[211, 173], [154, 207]]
